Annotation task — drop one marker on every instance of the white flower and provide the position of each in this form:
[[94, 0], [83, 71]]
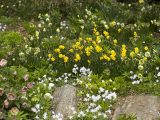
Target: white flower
[[45, 116], [140, 67], [37, 106], [50, 86], [39, 25], [158, 74], [34, 109], [95, 98], [136, 82], [37, 117], [81, 113], [48, 95], [58, 30], [101, 89], [157, 68], [147, 54]]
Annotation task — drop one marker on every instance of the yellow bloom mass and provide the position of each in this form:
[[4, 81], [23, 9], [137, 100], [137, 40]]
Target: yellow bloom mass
[[98, 48], [119, 30], [52, 59], [106, 33], [135, 34], [115, 41], [57, 50], [136, 50], [60, 56], [132, 54], [123, 51], [61, 47], [71, 50], [113, 55], [49, 55], [65, 58], [77, 57]]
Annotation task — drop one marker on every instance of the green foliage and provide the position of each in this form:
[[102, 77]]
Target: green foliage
[[9, 42], [125, 117]]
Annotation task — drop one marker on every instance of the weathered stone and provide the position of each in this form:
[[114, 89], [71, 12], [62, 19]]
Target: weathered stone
[[144, 107], [65, 100]]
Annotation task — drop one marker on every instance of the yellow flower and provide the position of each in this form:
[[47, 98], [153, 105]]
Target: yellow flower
[[123, 51], [109, 58], [106, 57], [97, 33], [115, 41], [80, 39], [65, 59], [98, 48], [106, 33], [113, 55], [60, 56], [61, 47], [145, 58], [119, 30], [89, 39], [101, 58], [57, 50], [98, 39], [135, 34], [77, 57], [123, 46], [146, 48], [108, 37], [95, 30], [132, 54], [136, 50], [49, 55], [71, 50], [88, 53], [123, 54], [141, 1], [89, 62], [52, 59], [80, 47], [113, 23], [77, 43], [94, 43], [90, 47]]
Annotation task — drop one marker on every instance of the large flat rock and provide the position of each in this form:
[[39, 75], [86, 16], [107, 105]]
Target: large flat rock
[[144, 107], [65, 100]]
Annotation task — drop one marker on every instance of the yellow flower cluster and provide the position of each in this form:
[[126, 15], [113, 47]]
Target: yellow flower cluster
[[64, 57], [98, 48], [88, 50], [77, 57], [133, 53], [123, 51], [91, 48], [135, 34], [105, 57], [106, 34], [113, 55]]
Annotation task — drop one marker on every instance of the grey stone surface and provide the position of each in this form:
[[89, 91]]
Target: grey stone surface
[[65, 100], [144, 107]]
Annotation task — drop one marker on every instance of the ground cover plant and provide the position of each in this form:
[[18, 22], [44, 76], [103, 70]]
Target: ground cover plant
[[104, 48]]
